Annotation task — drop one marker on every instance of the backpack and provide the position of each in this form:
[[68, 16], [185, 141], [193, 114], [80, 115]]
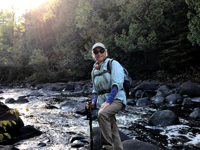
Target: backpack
[[127, 79]]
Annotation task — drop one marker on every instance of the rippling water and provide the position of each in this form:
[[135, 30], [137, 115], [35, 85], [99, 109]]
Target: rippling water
[[58, 125]]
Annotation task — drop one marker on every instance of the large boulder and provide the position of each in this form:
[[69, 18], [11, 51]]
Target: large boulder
[[164, 118], [127, 143], [6, 115], [28, 132], [138, 145], [190, 89], [97, 141]]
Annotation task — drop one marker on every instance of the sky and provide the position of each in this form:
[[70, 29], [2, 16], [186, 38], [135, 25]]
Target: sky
[[22, 4]]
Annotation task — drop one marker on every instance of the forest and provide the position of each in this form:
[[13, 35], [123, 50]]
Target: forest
[[156, 39]]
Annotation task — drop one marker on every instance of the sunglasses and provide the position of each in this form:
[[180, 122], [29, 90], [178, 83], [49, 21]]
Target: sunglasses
[[96, 51]]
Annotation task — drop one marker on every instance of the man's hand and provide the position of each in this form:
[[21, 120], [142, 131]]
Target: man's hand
[[88, 105], [104, 105]]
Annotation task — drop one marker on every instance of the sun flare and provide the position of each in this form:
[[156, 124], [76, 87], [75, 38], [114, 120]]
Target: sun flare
[[22, 4]]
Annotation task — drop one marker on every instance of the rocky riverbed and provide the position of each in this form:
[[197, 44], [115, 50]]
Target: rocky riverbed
[[163, 114]]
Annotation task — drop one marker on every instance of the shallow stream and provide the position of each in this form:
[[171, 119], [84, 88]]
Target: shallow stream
[[59, 125]]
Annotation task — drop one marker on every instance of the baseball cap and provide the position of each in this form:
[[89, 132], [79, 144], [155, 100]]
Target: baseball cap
[[98, 45]]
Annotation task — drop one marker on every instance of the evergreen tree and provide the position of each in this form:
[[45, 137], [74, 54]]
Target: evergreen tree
[[194, 21]]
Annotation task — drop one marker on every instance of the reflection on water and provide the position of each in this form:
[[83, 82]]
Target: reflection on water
[[59, 125]]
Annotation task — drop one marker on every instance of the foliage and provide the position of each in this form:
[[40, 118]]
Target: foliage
[[194, 21], [4, 123], [53, 41]]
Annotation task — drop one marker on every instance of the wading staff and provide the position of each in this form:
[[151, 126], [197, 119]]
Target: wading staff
[[89, 117]]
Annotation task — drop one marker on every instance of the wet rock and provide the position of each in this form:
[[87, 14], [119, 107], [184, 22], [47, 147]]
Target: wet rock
[[82, 99], [34, 83], [134, 83], [130, 102], [6, 115], [174, 99], [172, 91], [68, 104], [156, 82], [138, 145], [187, 101], [190, 89], [196, 99], [1, 98], [195, 114], [21, 96], [148, 94], [70, 87], [146, 87], [8, 148], [164, 118], [27, 85], [39, 86], [28, 132], [51, 106], [77, 93], [87, 89], [10, 101], [148, 81], [81, 109], [143, 102], [96, 138], [132, 92], [41, 144], [21, 101], [59, 87], [138, 93], [1, 91], [77, 144], [78, 87], [37, 94], [158, 99], [72, 139], [160, 93], [164, 89], [32, 98]]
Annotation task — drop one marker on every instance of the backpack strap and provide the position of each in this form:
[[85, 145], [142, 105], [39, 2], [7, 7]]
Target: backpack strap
[[108, 70], [109, 65]]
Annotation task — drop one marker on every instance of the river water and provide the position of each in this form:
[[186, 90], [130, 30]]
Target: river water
[[59, 125]]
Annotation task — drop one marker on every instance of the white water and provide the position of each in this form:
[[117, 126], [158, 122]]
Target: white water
[[59, 125]]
